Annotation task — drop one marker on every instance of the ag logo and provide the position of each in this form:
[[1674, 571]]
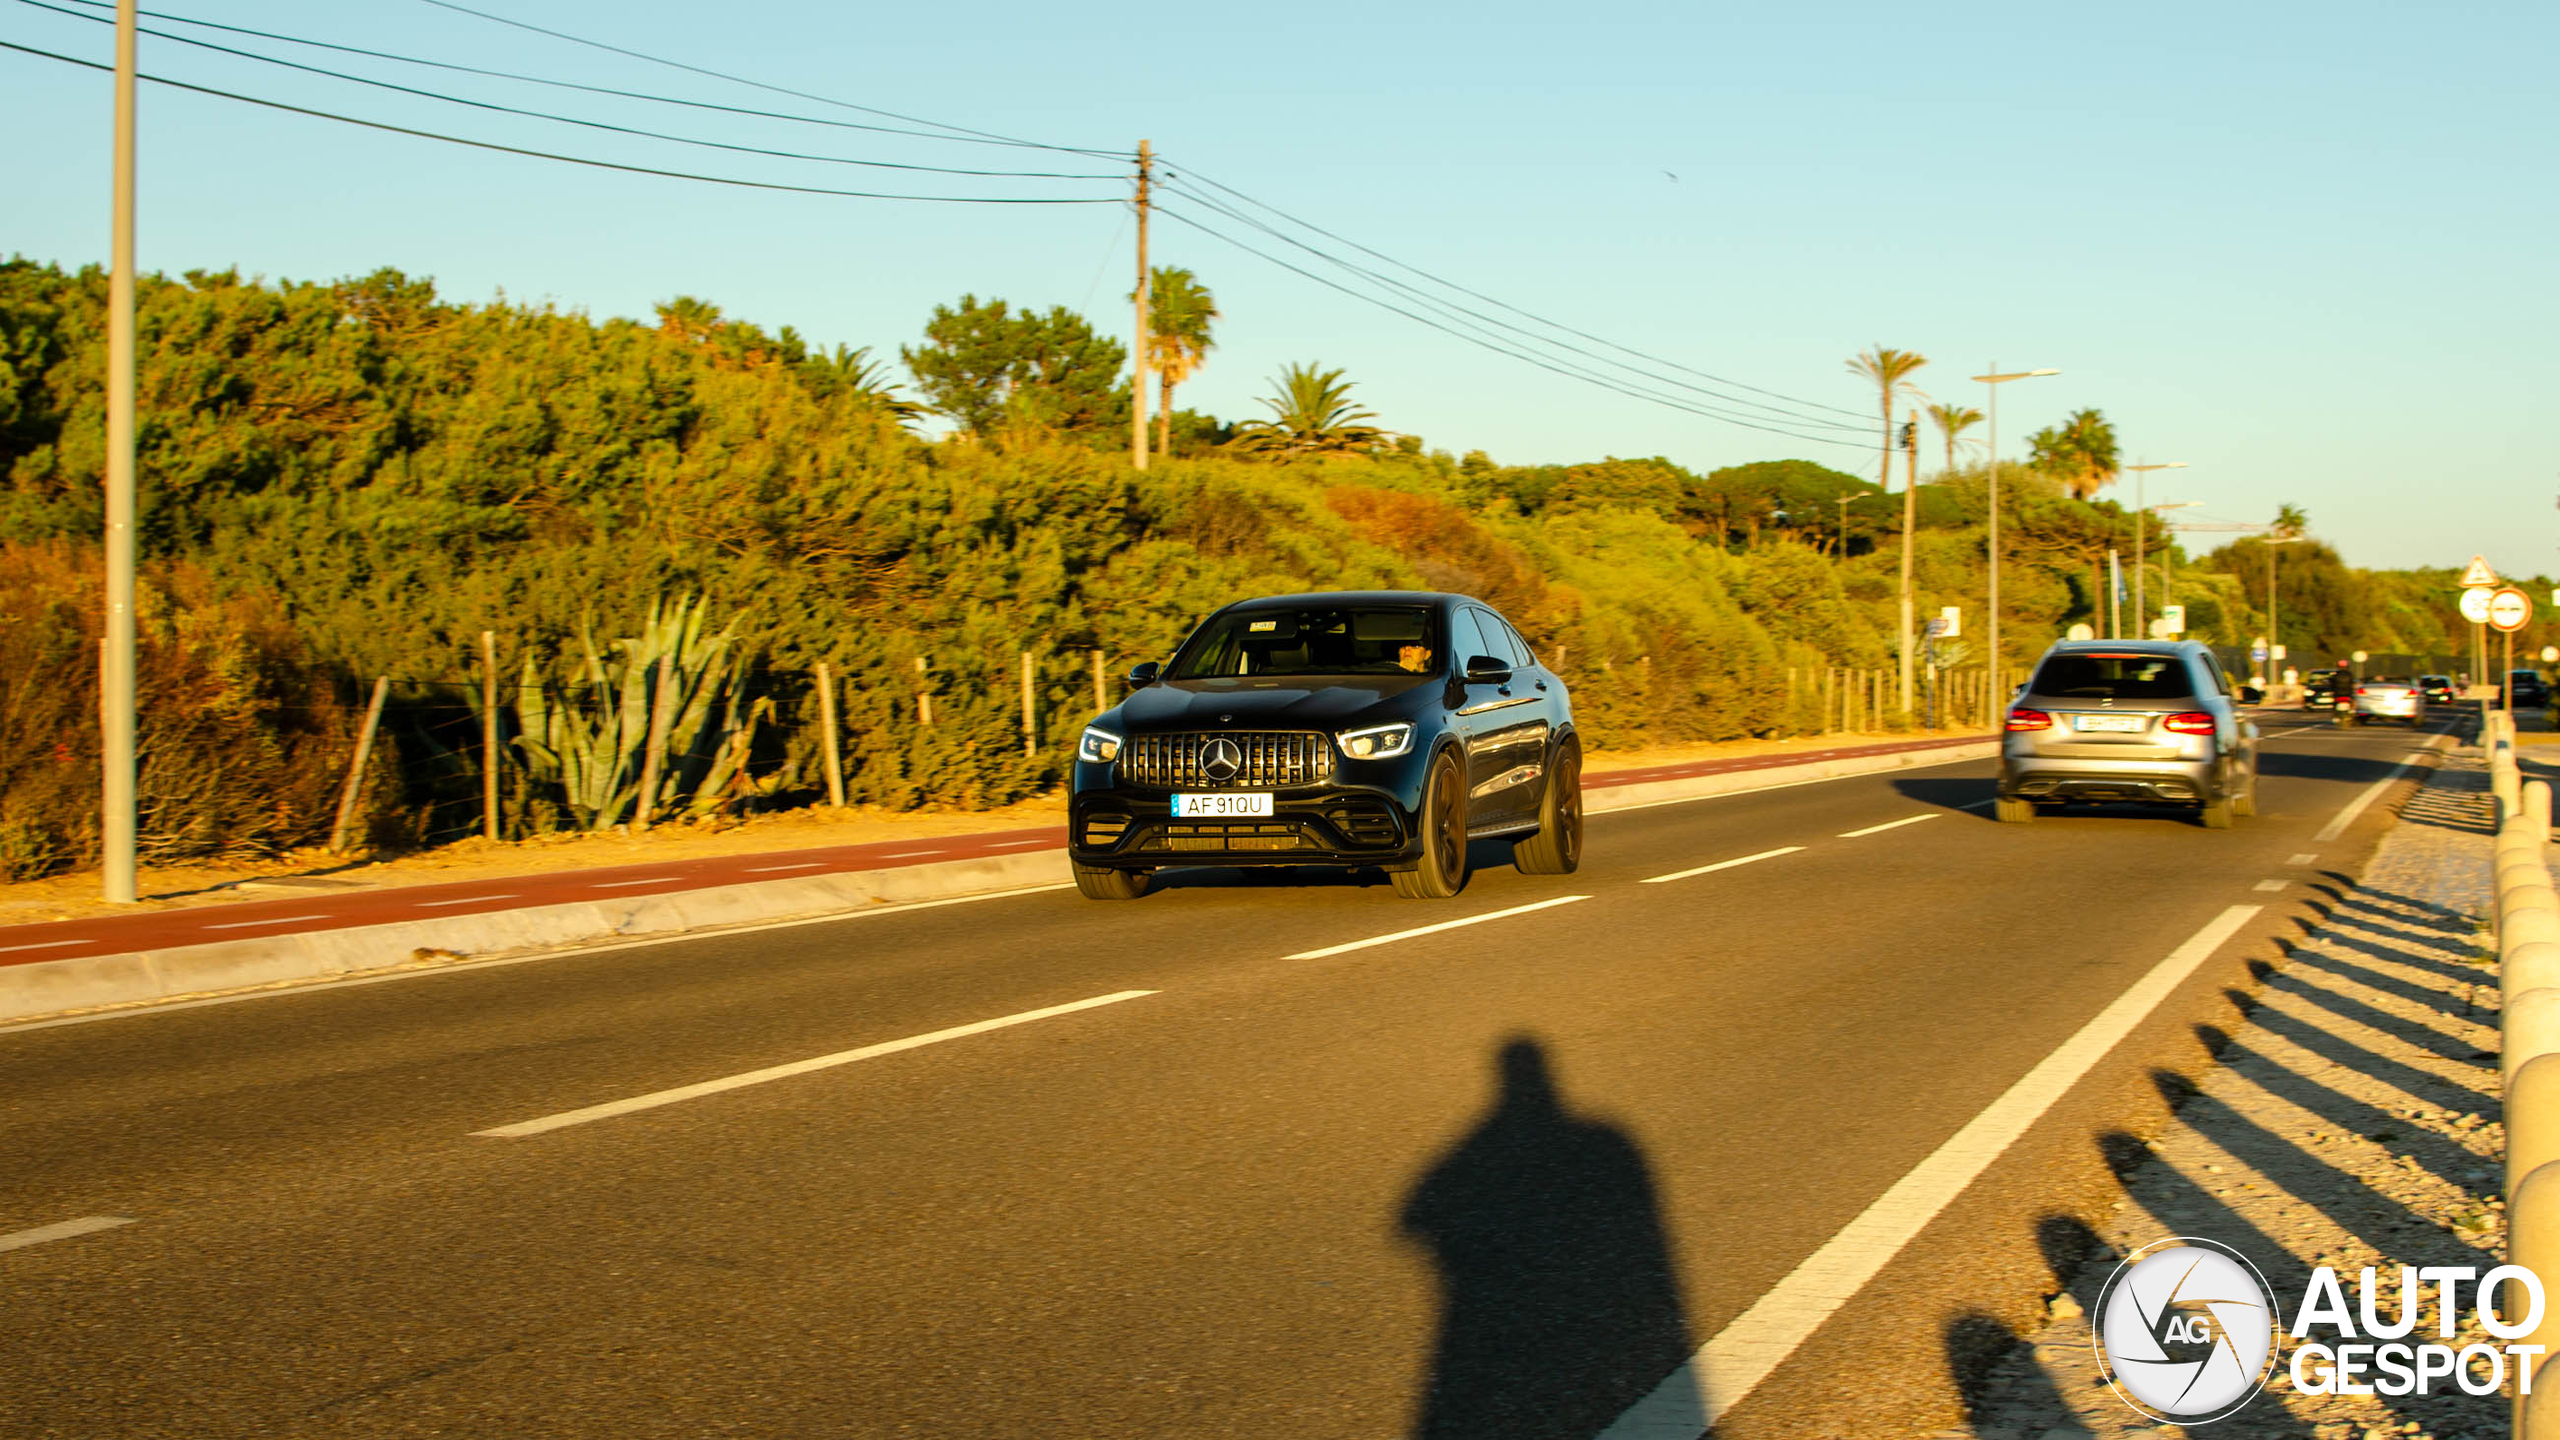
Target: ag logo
[[2184, 1331], [1220, 759]]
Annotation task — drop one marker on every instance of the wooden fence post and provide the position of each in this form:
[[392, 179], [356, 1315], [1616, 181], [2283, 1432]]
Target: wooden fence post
[[1030, 731], [1101, 698], [355, 772], [924, 696], [489, 734], [834, 739]]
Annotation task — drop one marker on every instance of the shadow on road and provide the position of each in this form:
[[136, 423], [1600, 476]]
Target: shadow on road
[[1482, 855], [1948, 793], [1558, 1305]]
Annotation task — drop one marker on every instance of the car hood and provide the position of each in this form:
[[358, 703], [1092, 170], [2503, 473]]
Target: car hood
[[1274, 702]]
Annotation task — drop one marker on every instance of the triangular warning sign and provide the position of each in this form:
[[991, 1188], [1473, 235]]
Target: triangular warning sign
[[2479, 573]]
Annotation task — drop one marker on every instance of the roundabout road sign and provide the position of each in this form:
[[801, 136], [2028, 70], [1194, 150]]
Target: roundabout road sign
[[2475, 604], [2510, 608]]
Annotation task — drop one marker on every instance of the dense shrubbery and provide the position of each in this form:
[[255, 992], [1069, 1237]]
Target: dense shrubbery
[[356, 479]]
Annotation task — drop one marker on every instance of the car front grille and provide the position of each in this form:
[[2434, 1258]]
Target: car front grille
[[1267, 760]]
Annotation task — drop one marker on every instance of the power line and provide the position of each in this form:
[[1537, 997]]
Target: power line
[[1514, 309], [1478, 320], [557, 84], [1549, 366], [761, 85], [569, 159], [568, 119]]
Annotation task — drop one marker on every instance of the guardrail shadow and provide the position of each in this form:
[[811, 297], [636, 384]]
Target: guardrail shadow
[[1559, 1306]]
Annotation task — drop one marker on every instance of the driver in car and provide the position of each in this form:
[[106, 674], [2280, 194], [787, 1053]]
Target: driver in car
[[1414, 659]]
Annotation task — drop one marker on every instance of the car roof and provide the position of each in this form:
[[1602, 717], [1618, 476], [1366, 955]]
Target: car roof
[[2123, 647], [1356, 597]]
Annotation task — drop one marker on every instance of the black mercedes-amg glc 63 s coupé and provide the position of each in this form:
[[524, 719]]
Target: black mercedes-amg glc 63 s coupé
[[1364, 728]]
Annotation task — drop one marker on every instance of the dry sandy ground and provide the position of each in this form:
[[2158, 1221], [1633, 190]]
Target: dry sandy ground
[[75, 895]]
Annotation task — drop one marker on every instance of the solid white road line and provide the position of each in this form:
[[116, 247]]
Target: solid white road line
[[86, 1224], [247, 924], [465, 900], [1433, 929], [1722, 865], [657, 1098], [769, 869], [1730, 1366], [1888, 825], [648, 880], [44, 945], [2355, 807], [2271, 884], [2303, 860]]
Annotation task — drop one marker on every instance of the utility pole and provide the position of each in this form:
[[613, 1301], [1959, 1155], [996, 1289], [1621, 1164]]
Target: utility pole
[[117, 817], [1146, 338], [1910, 516]]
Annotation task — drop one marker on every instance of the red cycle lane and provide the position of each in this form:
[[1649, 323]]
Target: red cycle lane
[[319, 908]]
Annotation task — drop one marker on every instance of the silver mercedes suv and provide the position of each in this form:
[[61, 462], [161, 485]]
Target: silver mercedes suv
[[2130, 721]]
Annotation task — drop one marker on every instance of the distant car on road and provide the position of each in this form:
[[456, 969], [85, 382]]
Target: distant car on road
[[2389, 697], [2438, 689], [2146, 722], [2323, 689], [1368, 728], [2528, 689]]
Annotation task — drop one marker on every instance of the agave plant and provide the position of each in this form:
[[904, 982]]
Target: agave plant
[[591, 737], [1314, 415]]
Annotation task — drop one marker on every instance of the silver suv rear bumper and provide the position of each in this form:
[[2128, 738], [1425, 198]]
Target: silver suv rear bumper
[[2164, 782]]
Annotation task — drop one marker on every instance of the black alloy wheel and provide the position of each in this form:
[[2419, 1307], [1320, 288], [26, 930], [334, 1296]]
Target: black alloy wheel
[[1441, 870], [1557, 847]]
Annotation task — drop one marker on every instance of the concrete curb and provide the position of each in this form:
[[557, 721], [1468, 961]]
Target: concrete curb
[[50, 987]]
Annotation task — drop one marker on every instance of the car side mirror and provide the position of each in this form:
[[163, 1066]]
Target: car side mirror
[[1485, 670], [1143, 674], [2252, 695]]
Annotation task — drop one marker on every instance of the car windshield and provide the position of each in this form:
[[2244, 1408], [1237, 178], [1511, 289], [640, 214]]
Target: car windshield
[[2114, 677], [2390, 680], [1321, 640]]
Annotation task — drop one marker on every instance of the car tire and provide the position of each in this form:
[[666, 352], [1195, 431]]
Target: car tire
[[2216, 816], [1441, 870], [1097, 882], [2012, 812], [1557, 847]]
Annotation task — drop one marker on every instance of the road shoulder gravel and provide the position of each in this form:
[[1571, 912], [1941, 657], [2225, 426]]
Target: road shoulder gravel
[[2350, 1119]]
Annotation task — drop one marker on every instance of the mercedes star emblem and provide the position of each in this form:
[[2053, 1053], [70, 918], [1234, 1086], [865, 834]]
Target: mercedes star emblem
[[1220, 759]]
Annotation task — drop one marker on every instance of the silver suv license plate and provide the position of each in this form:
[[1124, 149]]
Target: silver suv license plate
[[2108, 722], [1219, 807]]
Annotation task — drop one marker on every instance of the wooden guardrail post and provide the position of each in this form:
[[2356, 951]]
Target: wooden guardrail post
[[355, 772], [489, 734], [924, 695], [832, 737], [1030, 728], [1101, 697]]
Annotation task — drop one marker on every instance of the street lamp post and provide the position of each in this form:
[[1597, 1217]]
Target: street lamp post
[[2166, 599], [2141, 475], [1995, 380]]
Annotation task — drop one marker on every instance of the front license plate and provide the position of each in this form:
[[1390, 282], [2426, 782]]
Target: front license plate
[[1218, 807], [2125, 723]]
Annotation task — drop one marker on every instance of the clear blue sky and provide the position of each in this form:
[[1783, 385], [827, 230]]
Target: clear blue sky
[[2305, 248]]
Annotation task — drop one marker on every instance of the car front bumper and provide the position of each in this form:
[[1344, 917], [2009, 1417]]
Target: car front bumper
[[1367, 813]]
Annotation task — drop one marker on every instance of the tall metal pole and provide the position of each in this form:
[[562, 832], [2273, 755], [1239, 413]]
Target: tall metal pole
[[2141, 491], [1992, 619], [1146, 338], [1910, 515], [117, 817]]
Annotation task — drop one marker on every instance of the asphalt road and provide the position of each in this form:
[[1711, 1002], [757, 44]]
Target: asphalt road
[[1492, 1180]]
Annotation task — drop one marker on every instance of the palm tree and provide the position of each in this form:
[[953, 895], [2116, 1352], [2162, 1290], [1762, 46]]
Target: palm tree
[[2081, 452], [1179, 312], [853, 372], [1889, 371], [688, 318], [2290, 522], [1953, 420], [1314, 415]]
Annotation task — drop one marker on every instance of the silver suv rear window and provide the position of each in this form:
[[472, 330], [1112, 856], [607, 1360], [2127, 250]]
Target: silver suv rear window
[[2114, 677]]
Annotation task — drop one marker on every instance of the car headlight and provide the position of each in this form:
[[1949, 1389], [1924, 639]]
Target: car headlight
[[1378, 742], [1098, 745]]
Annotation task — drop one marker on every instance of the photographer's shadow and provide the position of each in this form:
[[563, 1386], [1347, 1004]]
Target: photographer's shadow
[[1558, 1304]]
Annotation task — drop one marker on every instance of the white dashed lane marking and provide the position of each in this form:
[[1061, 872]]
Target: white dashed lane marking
[[769, 869], [1722, 865], [44, 945], [464, 900], [2271, 884], [63, 1230], [1888, 825], [909, 854], [1421, 930], [250, 924], [2303, 860], [618, 884]]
